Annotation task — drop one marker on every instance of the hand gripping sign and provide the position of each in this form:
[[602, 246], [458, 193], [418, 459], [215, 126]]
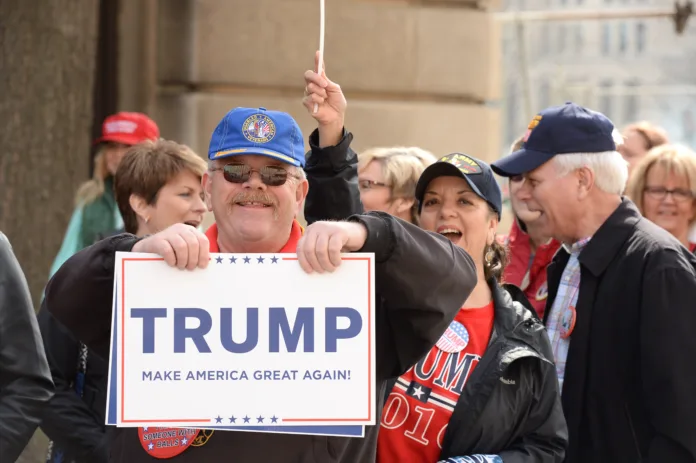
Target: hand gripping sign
[[251, 342]]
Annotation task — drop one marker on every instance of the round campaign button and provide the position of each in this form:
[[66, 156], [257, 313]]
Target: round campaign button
[[568, 322], [543, 292], [455, 339], [166, 443]]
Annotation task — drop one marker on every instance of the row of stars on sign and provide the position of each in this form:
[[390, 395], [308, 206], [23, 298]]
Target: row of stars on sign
[[247, 260], [233, 419]]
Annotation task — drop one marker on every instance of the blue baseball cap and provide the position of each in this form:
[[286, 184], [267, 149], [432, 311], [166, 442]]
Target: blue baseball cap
[[258, 131], [477, 174], [565, 129]]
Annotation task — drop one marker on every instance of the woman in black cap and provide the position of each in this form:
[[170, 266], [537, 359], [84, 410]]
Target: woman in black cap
[[487, 392]]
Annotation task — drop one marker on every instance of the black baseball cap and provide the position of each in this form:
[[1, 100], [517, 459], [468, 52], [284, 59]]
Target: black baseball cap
[[477, 174], [565, 129]]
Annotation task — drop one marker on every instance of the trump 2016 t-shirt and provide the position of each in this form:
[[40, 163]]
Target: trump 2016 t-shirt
[[415, 417]]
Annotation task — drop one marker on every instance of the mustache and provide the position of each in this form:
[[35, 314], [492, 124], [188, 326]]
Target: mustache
[[254, 196]]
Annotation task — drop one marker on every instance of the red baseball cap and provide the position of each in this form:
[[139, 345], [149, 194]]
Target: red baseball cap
[[128, 128]]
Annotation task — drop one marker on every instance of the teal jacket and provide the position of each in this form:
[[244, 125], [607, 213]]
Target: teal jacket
[[87, 223]]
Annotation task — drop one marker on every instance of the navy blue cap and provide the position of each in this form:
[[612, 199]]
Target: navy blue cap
[[477, 174], [558, 130], [258, 131]]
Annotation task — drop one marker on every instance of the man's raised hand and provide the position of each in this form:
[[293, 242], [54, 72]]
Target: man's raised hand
[[331, 105]]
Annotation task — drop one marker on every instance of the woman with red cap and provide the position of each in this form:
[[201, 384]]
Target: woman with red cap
[[96, 211]]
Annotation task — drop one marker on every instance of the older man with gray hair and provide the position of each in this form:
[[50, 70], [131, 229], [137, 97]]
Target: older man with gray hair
[[620, 310]]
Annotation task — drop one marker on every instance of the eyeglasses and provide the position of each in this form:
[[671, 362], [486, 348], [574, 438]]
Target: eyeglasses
[[240, 173], [370, 184], [660, 193]]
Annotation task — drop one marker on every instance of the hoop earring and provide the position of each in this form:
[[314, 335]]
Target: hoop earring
[[490, 255]]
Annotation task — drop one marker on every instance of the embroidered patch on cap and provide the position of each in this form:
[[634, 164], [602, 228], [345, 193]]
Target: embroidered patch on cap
[[120, 126], [259, 128], [532, 125], [165, 443], [463, 163]]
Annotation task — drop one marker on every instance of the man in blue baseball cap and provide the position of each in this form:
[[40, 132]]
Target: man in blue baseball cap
[[255, 186], [619, 311], [270, 144]]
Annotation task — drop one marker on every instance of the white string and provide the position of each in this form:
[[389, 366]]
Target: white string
[[321, 44]]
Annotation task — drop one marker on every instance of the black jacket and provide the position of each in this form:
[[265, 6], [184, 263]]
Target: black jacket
[[629, 391], [510, 406], [421, 280], [25, 380], [76, 424], [522, 422], [332, 173]]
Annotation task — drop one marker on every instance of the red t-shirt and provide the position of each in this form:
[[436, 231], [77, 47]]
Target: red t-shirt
[[419, 407]]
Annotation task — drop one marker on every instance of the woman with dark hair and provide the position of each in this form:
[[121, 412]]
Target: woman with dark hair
[[487, 391]]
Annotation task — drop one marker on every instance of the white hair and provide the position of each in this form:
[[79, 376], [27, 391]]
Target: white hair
[[609, 167], [300, 173]]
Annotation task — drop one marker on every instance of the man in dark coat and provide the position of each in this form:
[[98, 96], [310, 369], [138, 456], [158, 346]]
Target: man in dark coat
[[25, 380], [620, 310]]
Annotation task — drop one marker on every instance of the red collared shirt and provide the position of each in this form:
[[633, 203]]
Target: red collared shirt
[[290, 247]]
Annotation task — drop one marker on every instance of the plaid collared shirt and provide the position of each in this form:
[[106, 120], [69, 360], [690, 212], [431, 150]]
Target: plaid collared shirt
[[566, 297]]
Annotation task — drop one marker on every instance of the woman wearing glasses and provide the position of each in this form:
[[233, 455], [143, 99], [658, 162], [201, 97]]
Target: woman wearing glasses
[[663, 186], [387, 179]]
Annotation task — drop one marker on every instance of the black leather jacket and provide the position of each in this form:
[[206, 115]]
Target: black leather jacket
[[25, 380], [511, 405], [76, 424]]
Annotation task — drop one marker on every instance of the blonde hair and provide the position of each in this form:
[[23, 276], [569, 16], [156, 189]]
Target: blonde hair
[[677, 159], [94, 187], [401, 167], [517, 144]]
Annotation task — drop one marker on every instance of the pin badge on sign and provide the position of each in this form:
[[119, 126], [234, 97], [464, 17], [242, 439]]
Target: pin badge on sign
[[165, 443]]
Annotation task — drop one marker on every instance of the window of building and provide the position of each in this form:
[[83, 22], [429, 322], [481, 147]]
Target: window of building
[[640, 37], [579, 38], [631, 102], [623, 37], [689, 127], [512, 103], [606, 38], [544, 94], [545, 45], [606, 98], [561, 38]]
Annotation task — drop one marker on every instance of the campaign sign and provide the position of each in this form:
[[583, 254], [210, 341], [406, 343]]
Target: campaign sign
[[251, 342]]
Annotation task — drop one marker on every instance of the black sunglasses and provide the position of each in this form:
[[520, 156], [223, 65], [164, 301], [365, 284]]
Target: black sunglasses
[[240, 173]]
